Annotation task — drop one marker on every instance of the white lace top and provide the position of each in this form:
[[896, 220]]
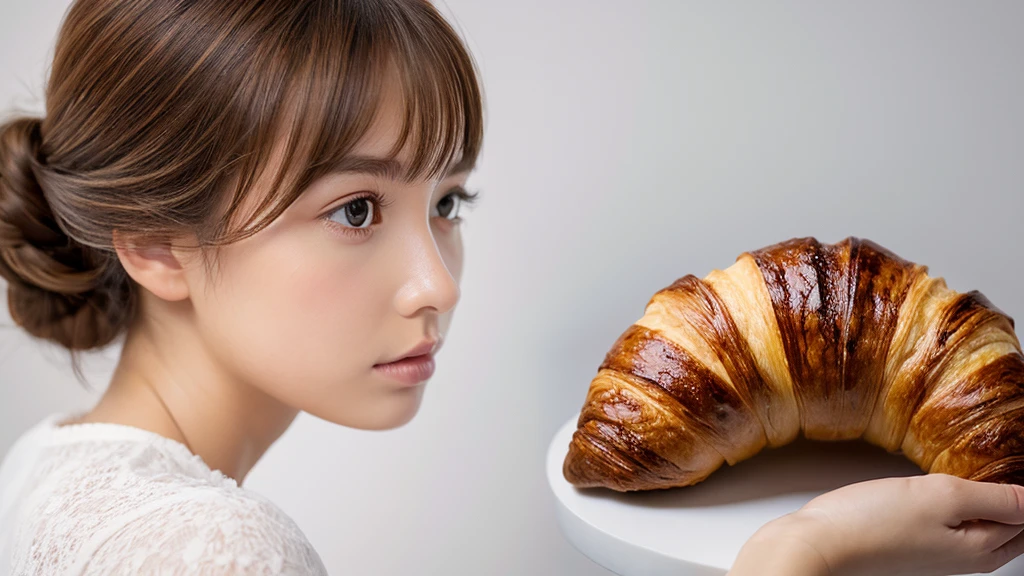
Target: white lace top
[[93, 499]]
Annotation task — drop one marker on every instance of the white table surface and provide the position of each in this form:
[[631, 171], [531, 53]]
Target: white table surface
[[698, 530]]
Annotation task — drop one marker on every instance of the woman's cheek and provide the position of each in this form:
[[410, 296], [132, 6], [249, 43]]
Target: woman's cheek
[[289, 308], [450, 246], [449, 243], [331, 302]]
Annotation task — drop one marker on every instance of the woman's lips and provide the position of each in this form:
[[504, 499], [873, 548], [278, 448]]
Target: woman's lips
[[409, 371]]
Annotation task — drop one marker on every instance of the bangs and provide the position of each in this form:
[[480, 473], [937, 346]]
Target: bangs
[[337, 61]]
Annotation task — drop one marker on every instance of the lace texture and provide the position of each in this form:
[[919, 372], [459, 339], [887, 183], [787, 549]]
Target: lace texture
[[96, 499]]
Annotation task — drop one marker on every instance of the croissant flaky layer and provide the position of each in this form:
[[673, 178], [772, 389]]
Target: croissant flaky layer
[[834, 341]]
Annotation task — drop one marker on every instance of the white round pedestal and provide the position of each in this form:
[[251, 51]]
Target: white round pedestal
[[698, 530]]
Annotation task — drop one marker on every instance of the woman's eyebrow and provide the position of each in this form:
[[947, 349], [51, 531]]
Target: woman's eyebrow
[[390, 168]]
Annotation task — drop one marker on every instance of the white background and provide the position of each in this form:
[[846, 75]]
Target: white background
[[628, 143]]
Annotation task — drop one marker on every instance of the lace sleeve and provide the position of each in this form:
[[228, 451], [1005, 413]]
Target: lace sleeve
[[209, 534]]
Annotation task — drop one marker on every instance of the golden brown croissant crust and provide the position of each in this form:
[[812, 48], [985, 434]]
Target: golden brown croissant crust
[[834, 341]]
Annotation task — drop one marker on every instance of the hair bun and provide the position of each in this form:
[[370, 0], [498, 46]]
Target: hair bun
[[53, 281]]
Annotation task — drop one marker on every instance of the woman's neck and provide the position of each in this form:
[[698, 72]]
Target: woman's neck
[[167, 382]]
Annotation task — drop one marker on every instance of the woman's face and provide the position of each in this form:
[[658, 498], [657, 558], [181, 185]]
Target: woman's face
[[319, 309]]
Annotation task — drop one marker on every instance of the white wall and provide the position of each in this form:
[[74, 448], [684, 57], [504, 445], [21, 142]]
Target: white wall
[[628, 143]]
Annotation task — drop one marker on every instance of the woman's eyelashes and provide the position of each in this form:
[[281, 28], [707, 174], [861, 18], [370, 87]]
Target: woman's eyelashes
[[358, 216], [449, 205], [358, 213]]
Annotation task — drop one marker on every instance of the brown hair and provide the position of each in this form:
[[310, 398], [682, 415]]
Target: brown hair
[[159, 113]]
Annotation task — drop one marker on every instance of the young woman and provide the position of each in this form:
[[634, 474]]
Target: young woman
[[260, 202]]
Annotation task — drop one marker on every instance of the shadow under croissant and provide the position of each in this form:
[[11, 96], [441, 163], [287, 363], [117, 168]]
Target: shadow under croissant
[[801, 466]]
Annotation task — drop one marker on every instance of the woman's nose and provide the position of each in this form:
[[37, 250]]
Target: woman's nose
[[427, 283]]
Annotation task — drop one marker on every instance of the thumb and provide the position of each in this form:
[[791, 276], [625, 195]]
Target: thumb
[[1003, 503]]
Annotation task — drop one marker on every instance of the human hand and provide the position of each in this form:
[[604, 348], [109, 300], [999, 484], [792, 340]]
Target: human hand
[[929, 525]]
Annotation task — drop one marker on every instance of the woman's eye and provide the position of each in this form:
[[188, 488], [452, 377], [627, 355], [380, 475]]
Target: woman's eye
[[358, 213], [448, 207]]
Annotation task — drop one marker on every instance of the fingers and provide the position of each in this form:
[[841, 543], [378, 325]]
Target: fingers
[[1002, 555], [1003, 503], [984, 537], [985, 547]]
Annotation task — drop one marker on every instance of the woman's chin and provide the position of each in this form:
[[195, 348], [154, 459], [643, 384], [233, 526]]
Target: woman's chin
[[387, 413], [394, 417]]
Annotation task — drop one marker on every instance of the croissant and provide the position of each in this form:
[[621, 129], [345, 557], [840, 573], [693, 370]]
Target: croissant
[[835, 341]]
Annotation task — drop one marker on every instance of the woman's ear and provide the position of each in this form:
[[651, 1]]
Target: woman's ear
[[156, 266]]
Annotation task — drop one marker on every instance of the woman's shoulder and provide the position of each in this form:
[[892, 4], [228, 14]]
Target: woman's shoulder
[[89, 462], [212, 530], [111, 499]]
